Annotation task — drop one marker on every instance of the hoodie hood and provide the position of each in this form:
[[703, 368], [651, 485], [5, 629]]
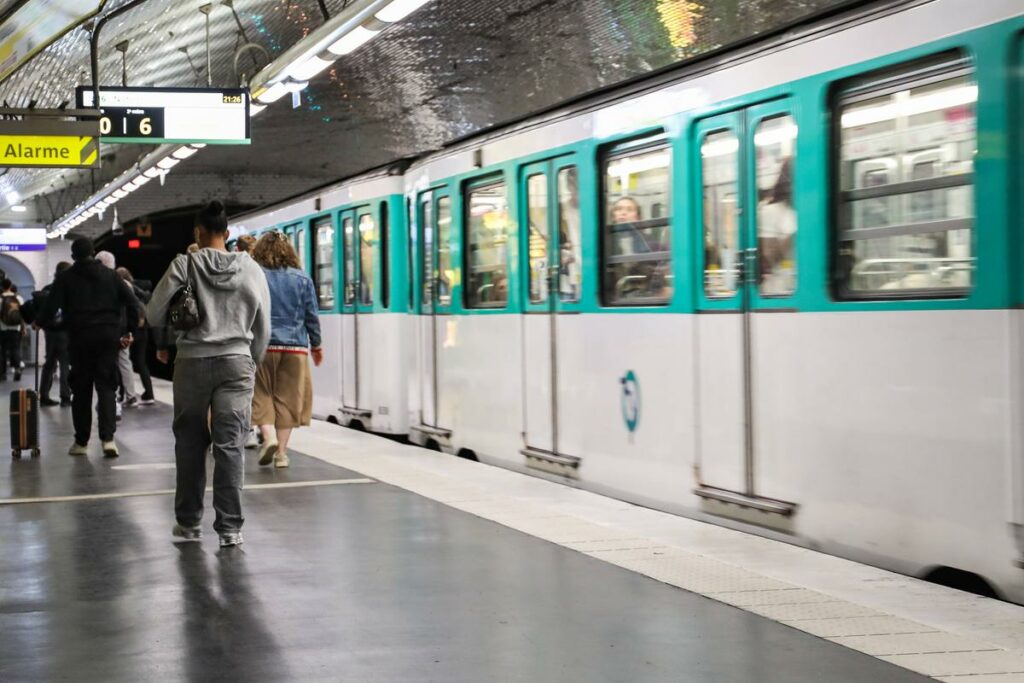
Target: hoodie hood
[[219, 269]]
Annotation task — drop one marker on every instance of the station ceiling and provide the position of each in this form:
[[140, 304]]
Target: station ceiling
[[452, 68]]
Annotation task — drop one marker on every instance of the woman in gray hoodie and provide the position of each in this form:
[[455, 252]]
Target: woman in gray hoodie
[[214, 373]]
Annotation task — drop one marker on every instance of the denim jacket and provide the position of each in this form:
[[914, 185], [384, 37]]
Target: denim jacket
[[294, 317]]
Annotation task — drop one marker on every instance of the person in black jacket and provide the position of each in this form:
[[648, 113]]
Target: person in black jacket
[[94, 301], [56, 344]]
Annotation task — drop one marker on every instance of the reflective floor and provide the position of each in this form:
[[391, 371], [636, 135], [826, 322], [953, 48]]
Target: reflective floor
[[339, 581]]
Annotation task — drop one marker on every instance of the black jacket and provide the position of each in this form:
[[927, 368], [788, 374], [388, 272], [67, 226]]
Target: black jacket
[[92, 297]]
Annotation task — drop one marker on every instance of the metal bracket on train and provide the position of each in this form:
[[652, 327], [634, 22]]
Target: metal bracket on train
[[357, 412], [777, 507], [435, 432], [564, 465]]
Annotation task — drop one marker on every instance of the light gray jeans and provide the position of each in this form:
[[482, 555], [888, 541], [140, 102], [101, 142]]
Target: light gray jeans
[[124, 365], [212, 407]]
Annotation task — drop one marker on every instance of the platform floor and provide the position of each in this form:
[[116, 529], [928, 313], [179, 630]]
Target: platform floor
[[374, 561]]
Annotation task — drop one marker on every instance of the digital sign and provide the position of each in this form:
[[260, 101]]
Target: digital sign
[[210, 116], [22, 239]]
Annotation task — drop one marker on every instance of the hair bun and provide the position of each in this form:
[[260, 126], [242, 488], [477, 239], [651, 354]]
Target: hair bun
[[215, 207]]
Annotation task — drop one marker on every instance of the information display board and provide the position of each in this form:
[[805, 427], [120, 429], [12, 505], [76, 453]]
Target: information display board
[[22, 239], [212, 116]]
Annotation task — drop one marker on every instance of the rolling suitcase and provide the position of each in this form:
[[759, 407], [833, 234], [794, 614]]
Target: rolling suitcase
[[25, 416]]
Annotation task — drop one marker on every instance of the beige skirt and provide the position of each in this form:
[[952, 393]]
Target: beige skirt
[[284, 390]]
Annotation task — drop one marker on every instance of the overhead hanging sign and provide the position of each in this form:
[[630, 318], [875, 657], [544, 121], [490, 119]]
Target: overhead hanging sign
[[22, 239], [171, 115], [36, 25], [49, 143]]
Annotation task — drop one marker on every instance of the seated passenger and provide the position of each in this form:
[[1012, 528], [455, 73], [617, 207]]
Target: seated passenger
[[283, 399]]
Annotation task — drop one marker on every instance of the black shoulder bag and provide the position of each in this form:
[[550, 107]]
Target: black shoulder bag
[[184, 313]]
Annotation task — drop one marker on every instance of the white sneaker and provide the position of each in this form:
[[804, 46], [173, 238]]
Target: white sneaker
[[110, 449], [267, 453], [252, 441], [117, 410], [78, 449], [281, 460]]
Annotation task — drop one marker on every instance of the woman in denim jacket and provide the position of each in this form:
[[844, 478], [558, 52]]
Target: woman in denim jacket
[[283, 399]]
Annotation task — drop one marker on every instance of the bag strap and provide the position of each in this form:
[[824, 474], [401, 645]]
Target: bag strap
[[190, 274]]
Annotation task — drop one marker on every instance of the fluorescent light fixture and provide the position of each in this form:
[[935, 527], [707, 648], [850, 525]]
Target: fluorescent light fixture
[[352, 41], [775, 136], [400, 9], [19, 208], [720, 147], [13, 197], [255, 108], [303, 71], [183, 152], [901, 105], [141, 180], [295, 86], [119, 194], [152, 172], [273, 93], [167, 163], [197, 145]]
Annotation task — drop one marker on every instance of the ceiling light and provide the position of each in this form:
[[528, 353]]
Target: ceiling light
[[119, 194], [183, 152], [20, 208], [197, 145], [13, 197], [295, 86], [256, 108], [152, 172], [273, 93], [141, 180], [303, 71], [352, 41], [167, 163], [400, 9]]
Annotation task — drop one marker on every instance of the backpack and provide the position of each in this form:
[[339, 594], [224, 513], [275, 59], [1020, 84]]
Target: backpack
[[10, 311]]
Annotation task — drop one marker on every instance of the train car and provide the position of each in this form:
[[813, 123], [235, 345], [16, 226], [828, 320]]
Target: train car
[[779, 289], [350, 239]]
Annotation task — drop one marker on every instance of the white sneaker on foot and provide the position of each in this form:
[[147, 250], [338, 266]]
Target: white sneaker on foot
[[187, 533], [110, 449], [78, 449], [252, 441], [281, 460], [267, 453]]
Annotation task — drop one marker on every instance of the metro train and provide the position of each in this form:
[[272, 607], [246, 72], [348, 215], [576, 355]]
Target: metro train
[[778, 289]]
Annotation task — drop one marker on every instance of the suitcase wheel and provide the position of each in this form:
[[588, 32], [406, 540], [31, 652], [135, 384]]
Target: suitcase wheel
[[15, 453], [35, 452]]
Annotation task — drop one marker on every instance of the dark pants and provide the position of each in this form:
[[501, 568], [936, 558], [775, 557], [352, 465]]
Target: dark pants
[[56, 354], [10, 350], [139, 361], [94, 364], [211, 392]]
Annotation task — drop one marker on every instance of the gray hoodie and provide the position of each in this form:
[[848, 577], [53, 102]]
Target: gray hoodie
[[234, 300]]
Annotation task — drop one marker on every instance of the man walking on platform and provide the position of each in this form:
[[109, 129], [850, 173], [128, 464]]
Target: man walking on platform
[[12, 329], [93, 302], [214, 372], [56, 344]]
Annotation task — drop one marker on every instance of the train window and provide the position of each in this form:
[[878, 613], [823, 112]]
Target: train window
[[349, 266], [637, 262], [906, 176], [323, 261], [720, 160], [443, 230], [410, 255], [367, 238], [570, 251], [427, 221], [775, 144], [537, 202], [385, 256], [487, 246], [300, 246]]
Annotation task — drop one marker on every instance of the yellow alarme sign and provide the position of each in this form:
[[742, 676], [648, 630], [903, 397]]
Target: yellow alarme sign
[[53, 151]]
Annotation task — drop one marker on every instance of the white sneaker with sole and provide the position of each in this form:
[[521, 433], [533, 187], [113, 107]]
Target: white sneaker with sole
[[267, 453], [110, 449], [252, 441], [281, 460], [78, 449], [230, 538], [187, 533]]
